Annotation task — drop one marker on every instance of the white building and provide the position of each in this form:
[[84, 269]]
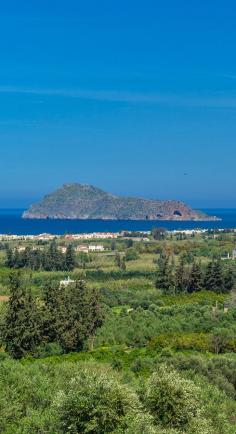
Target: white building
[[62, 249], [67, 281], [20, 249], [96, 248], [82, 248]]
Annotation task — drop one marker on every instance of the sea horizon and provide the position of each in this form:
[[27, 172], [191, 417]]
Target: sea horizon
[[11, 222]]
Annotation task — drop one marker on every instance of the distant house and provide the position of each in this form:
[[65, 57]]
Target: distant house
[[62, 249], [82, 248], [20, 248], [96, 248], [67, 281], [45, 237]]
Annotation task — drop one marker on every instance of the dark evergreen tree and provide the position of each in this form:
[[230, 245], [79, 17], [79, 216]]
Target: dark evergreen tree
[[9, 258], [216, 279], [129, 243], [80, 317], [158, 233], [113, 245], [122, 265], [217, 276], [229, 281], [209, 279], [195, 278], [21, 329], [70, 258], [118, 260], [180, 278], [52, 311], [164, 279], [50, 259]]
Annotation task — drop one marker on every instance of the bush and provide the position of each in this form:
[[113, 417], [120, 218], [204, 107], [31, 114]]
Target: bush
[[172, 400], [95, 403], [131, 255], [182, 341]]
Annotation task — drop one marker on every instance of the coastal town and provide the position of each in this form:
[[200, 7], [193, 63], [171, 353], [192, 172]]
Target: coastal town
[[144, 235]]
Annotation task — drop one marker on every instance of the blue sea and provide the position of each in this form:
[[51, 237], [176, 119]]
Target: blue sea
[[12, 223]]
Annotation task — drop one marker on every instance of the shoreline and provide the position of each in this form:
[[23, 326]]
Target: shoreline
[[107, 235]]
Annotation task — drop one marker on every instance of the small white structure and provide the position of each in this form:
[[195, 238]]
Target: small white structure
[[82, 248], [234, 254], [223, 258], [96, 248], [67, 281], [45, 237], [20, 248], [62, 249]]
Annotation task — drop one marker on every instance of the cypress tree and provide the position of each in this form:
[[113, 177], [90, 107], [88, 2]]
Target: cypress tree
[[80, 317], [195, 278], [217, 277], [52, 311], [118, 260], [164, 279], [229, 281], [9, 257], [208, 279], [21, 331], [180, 283], [70, 259], [122, 265]]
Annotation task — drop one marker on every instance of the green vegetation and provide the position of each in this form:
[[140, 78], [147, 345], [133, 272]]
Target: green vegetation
[[89, 202], [142, 342], [65, 316], [49, 259]]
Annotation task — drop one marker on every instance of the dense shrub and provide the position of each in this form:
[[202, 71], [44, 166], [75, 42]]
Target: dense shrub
[[172, 400], [96, 403], [193, 324]]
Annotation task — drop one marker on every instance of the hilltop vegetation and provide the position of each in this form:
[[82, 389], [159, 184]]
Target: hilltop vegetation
[[143, 340]]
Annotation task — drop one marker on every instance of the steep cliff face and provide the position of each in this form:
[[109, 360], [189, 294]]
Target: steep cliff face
[[79, 201]]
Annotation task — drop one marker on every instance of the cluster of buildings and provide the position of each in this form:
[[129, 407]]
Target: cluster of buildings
[[40, 237], [188, 231], [93, 236], [95, 248], [71, 237], [85, 248]]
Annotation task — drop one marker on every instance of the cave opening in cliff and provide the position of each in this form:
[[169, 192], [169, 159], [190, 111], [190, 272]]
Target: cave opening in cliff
[[178, 213]]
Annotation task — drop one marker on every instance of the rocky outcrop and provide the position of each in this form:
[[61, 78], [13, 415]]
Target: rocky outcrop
[[79, 201]]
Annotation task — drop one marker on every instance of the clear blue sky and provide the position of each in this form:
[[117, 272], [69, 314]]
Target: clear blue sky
[[136, 97]]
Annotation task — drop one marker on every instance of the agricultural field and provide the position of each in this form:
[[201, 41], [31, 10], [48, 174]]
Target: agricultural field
[[140, 339]]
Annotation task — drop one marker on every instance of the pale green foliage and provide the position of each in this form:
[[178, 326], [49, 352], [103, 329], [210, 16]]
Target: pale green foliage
[[137, 423], [172, 400], [200, 425], [25, 399], [95, 403], [84, 397]]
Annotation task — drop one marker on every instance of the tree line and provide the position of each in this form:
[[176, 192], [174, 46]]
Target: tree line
[[67, 316], [48, 259], [177, 279]]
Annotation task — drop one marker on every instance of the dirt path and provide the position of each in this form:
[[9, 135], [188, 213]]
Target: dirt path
[[4, 297]]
